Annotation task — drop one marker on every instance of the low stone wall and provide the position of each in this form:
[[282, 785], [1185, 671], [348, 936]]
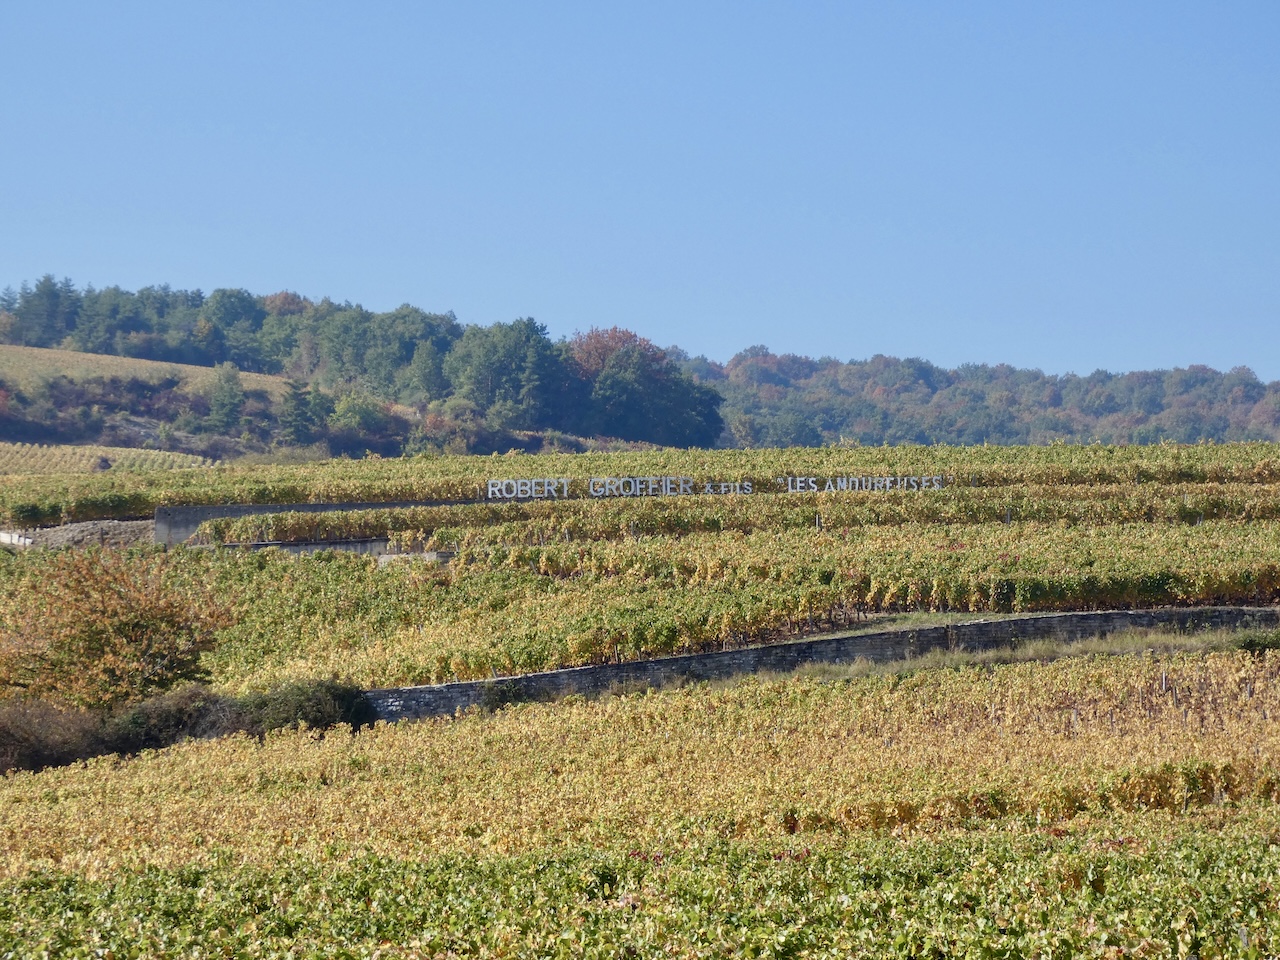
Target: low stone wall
[[373, 546], [402, 703]]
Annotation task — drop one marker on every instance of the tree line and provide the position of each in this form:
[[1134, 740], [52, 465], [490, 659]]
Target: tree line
[[503, 377], [787, 400], [354, 371]]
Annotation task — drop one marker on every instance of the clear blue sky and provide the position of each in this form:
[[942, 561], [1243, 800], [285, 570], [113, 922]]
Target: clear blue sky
[[1065, 186]]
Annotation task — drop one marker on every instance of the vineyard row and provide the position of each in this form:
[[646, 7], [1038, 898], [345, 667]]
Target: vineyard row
[[518, 607], [66, 497], [539, 521]]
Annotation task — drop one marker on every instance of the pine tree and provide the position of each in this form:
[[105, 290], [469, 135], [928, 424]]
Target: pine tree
[[226, 400], [46, 313], [296, 424]]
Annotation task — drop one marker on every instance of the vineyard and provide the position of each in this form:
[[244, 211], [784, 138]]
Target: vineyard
[[609, 519], [59, 499], [1105, 807], [536, 585], [29, 367], [35, 458]]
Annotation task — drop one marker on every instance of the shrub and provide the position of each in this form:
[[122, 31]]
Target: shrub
[[190, 712], [317, 703], [35, 734], [1258, 641]]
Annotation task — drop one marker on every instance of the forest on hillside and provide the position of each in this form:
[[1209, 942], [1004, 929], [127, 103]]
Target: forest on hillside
[[409, 379]]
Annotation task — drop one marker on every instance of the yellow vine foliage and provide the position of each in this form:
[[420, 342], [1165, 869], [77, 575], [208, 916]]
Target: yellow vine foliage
[[509, 606], [1029, 746], [71, 496]]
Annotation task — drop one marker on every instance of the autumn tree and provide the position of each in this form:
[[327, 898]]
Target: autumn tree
[[592, 350], [99, 628]]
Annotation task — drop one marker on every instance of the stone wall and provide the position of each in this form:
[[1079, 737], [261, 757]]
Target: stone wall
[[373, 547], [402, 703]]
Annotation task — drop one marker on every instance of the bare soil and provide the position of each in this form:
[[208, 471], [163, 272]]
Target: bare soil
[[108, 533]]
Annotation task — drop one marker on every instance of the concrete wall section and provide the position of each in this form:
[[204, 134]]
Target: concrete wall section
[[176, 524], [402, 703]]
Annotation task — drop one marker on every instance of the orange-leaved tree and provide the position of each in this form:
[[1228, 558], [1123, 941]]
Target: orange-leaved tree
[[99, 628], [593, 349]]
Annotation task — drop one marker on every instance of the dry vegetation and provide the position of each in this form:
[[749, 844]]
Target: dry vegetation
[[29, 367]]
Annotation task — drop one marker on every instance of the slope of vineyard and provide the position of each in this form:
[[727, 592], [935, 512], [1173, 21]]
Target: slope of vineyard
[[35, 458], [1102, 807], [554, 583], [757, 760], [611, 519], [29, 367], [503, 608], [1117, 806]]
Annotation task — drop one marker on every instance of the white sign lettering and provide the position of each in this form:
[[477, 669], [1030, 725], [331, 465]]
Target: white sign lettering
[[542, 488], [639, 486], [873, 484], [559, 488]]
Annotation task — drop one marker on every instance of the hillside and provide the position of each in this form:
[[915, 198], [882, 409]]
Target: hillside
[[775, 400], [470, 388], [563, 582], [31, 368], [1120, 802], [51, 397], [1108, 807], [57, 397]]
